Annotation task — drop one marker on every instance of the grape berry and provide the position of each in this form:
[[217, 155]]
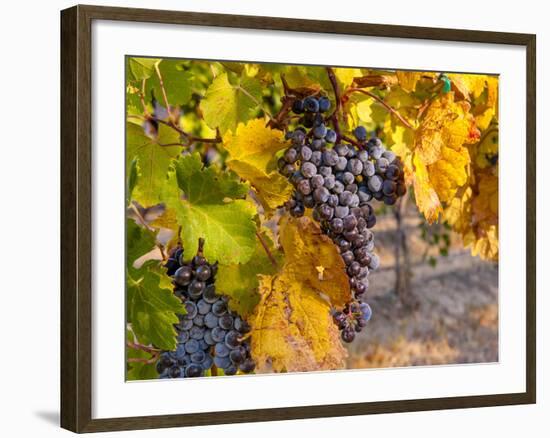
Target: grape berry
[[339, 180], [209, 333]]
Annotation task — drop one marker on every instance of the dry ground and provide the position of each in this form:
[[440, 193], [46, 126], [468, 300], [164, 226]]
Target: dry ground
[[457, 316]]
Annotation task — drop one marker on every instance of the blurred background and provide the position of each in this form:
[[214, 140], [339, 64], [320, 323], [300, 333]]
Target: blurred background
[[433, 302]]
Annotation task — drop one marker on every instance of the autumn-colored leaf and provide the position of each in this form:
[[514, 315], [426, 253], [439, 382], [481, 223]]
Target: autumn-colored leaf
[[346, 75], [240, 281], [293, 329], [408, 79], [449, 172], [292, 326], [306, 247], [252, 156], [426, 197], [375, 80], [225, 104], [467, 86], [485, 204]]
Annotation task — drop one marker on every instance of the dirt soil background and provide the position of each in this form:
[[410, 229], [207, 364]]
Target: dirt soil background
[[455, 319]]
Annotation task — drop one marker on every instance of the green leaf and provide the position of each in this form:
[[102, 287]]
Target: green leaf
[[240, 281], [139, 241], [139, 370], [154, 160], [142, 68], [133, 174], [178, 83], [205, 206], [226, 105], [152, 310]]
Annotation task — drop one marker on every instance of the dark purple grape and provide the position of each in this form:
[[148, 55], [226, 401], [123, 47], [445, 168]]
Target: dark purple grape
[[182, 276]]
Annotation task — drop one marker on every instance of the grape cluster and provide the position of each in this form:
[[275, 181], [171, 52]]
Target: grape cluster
[[209, 333], [338, 180]]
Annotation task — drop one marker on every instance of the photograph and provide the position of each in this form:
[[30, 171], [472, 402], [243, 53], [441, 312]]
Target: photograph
[[304, 218]]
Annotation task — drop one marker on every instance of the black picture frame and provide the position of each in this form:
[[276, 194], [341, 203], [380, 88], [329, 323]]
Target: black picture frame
[[76, 217]]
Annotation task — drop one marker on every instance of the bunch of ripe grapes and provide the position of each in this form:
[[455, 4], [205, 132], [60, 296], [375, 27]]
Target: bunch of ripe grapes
[[339, 180], [209, 334]]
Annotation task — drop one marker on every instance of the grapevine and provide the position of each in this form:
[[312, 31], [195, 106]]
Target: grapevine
[[253, 192]]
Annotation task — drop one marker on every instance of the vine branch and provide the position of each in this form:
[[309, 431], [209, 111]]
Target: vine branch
[[266, 249], [147, 349], [383, 103]]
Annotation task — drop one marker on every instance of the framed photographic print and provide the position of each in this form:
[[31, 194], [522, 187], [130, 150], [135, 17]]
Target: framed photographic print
[[305, 218]]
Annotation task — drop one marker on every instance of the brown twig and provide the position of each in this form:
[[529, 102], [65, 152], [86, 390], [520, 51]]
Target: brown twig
[[266, 249], [144, 360], [141, 347], [383, 103], [190, 139]]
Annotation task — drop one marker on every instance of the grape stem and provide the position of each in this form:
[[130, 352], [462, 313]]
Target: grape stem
[[336, 89], [383, 103], [266, 249]]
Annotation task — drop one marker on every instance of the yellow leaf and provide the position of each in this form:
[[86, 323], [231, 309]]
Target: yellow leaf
[[293, 329], [449, 172], [166, 220], [252, 156], [475, 217], [468, 86], [307, 248], [487, 107], [485, 205], [487, 245], [445, 123], [408, 79], [346, 75], [426, 197], [292, 326], [458, 211], [486, 153]]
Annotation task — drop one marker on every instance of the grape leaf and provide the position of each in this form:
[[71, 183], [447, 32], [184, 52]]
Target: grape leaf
[[467, 86], [142, 68], [436, 158], [139, 241], [132, 178], [203, 199], [346, 76], [152, 310], [240, 280], [252, 156], [226, 105], [151, 305], [153, 159], [485, 204], [178, 83], [292, 326], [408, 79], [293, 329], [138, 370], [449, 172]]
